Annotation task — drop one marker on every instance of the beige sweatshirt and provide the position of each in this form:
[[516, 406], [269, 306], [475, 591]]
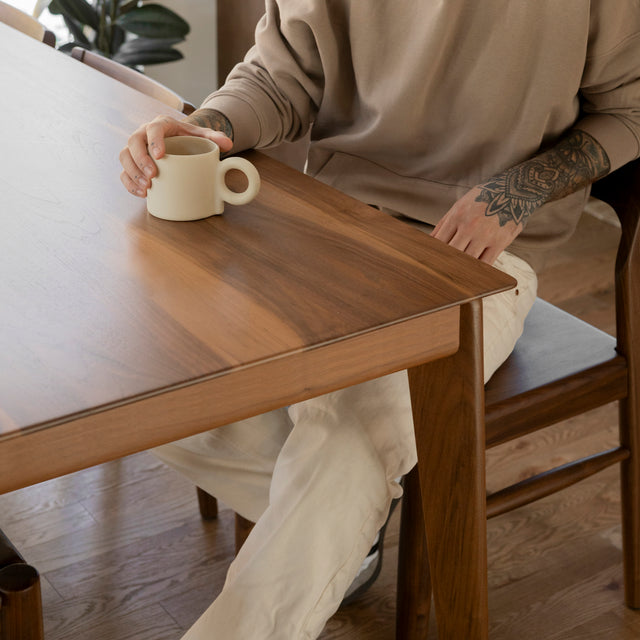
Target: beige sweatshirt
[[413, 102]]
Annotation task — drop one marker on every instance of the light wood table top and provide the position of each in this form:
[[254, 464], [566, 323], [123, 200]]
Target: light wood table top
[[119, 331]]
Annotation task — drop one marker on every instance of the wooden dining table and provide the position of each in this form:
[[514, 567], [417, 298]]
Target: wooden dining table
[[120, 332]]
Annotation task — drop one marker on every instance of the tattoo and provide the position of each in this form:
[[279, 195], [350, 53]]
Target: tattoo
[[575, 162], [211, 119]]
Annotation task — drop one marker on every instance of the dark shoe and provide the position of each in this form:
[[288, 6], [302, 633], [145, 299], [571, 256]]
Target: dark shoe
[[370, 567]]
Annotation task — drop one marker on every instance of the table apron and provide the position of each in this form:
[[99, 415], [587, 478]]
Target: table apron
[[112, 432]]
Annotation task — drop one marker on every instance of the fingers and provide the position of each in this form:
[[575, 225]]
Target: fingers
[[457, 237], [133, 177], [218, 137], [481, 246], [147, 144], [472, 239], [443, 231], [138, 166], [133, 184], [149, 139], [490, 254]]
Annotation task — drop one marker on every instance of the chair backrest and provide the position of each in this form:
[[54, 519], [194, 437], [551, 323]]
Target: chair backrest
[[25, 23], [621, 190], [527, 376], [133, 79], [236, 35]]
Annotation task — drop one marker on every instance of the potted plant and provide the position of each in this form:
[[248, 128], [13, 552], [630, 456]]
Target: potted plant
[[131, 32]]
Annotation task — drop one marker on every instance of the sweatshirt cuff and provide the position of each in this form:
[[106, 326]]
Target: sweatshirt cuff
[[615, 137], [243, 119]]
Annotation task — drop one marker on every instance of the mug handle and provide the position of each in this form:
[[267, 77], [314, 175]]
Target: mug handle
[[253, 177]]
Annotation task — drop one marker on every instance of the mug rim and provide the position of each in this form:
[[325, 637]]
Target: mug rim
[[211, 146]]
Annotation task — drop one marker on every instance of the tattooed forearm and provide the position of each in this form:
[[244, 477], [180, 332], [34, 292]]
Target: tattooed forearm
[[572, 164], [211, 119]]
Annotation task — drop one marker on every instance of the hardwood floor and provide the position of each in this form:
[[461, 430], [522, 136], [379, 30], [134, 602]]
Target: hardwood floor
[[124, 554]]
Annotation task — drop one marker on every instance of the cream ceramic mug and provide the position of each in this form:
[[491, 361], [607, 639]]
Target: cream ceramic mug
[[190, 183]]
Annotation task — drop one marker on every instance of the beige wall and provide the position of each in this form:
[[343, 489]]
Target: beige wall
[[195, 76]]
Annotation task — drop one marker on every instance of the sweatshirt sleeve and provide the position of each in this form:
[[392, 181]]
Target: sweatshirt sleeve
[[610, 88], [274, 94]]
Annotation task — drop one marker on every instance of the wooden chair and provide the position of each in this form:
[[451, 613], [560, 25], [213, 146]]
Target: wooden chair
[[20, 596], [236, 28], [560, 368], [133, 79], [26, 24]]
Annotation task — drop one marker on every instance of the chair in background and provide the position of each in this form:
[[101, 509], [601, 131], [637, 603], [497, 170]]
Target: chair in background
[[561, 367], [26, 24], [133, 79], [236, 28]]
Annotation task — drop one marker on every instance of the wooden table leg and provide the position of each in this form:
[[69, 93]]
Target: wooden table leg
[[414, 581], [20, 598], [448, 406]]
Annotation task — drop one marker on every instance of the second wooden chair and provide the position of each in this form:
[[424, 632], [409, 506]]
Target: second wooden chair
[[561, 368], [26, 24], [133, 79]]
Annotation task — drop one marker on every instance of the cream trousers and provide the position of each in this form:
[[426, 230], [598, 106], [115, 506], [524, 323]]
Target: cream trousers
[[318, 479]]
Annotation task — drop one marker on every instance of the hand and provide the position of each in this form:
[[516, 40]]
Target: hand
[[466, 226], [138, 166], [485, 221]]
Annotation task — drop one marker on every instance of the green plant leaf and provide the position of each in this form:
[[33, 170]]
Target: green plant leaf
[[76, 32], [137, 45], [68, 46], [158, 56], [117, 38], [153, 21], [78, 10], [127, 6]]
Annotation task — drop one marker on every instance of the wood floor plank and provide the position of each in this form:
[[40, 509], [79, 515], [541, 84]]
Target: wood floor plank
[[41, 531], [556, 445], [102, 534], [91, 619], [612, 624], [124, 568], [575, 605]]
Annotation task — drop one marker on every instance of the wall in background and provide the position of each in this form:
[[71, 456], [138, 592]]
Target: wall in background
[[196, 75]]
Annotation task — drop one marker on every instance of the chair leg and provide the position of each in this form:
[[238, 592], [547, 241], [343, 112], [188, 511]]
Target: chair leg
[[20, 603], [243, 529], [413, 598], [448, 407], [8, 553], [630, 498], [628, 334], [209, 511], [208, 505]]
